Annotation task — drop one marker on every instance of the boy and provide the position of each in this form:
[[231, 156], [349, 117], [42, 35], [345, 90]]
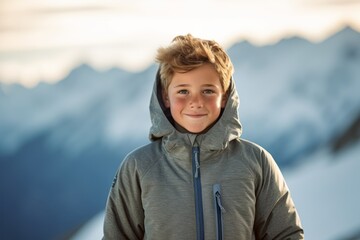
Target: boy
[[198, 179]]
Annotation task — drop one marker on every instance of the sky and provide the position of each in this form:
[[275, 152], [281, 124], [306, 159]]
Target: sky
[[42, 40]]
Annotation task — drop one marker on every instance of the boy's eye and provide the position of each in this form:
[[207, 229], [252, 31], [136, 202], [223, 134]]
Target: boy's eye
[[208, 91], [183, 91]]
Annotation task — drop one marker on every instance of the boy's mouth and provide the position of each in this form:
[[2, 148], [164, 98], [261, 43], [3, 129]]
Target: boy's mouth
[[196, 115]]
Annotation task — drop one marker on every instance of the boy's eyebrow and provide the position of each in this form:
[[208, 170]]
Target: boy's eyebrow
[[208, 85], [182, 85], [187, 85]]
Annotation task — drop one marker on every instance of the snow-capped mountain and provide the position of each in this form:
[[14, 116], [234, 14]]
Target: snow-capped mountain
[[297, 95], [60, 144], [102, 95]]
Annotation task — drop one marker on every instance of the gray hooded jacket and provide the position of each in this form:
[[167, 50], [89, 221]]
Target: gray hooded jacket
[[207, 186]]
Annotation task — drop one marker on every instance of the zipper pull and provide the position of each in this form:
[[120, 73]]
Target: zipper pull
[[218, 202], [196, 159]]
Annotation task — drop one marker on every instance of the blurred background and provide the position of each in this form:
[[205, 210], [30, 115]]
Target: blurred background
[[75, 83]]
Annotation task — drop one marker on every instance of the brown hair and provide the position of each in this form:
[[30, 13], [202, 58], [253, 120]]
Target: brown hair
[[186, 53]]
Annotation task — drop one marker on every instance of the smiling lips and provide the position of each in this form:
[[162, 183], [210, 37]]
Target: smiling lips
[[195, 115]]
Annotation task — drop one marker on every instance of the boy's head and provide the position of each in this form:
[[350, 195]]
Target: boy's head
[[186, 53], [195, 76]]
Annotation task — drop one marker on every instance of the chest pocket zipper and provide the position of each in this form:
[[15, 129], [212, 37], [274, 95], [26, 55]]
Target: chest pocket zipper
[[219, 210]]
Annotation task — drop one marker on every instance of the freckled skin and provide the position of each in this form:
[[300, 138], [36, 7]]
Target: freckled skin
[[195, 98]]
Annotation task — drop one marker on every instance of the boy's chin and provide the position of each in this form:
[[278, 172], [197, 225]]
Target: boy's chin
[[192, 130]]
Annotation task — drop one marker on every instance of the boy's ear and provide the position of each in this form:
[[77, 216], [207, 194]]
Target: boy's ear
[[224, 100], [165, 99]]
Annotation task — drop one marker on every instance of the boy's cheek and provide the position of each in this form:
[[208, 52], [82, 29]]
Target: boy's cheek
[[177, 102]]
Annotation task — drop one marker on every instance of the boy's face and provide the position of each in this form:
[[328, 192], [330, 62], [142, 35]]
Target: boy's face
[[195, 98]]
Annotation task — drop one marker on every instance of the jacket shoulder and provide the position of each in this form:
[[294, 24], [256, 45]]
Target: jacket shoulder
[[254, 148], [254, 156], [249, 149], [249, 145], [142, 158]]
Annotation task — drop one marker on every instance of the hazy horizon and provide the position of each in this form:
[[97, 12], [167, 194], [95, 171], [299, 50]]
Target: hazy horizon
[[46, 39]]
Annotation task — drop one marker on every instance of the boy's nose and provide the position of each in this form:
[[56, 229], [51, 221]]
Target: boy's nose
[[196, 101]]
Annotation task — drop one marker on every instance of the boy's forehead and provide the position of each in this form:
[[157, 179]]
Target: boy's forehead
[[205, 69], [203, 80]]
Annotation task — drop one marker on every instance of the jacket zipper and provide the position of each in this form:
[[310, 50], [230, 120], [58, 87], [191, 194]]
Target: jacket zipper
[[219, 210], [198, 193]]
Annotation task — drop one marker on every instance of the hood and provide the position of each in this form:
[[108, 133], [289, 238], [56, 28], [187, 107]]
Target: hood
[[227, 127]]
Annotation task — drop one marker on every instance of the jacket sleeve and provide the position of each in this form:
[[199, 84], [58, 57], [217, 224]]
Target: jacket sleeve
[[276, 216], [124, 215]]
